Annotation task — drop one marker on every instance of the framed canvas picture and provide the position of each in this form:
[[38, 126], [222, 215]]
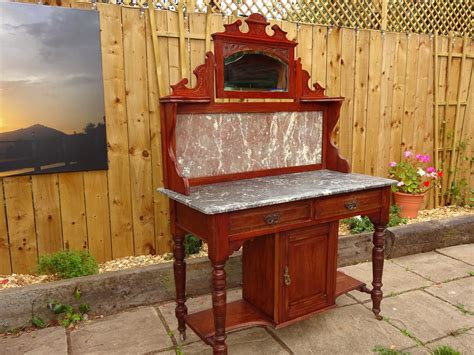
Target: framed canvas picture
[[51, 91]]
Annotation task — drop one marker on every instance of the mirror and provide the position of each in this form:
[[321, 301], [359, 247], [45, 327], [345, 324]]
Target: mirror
[[255, 71]]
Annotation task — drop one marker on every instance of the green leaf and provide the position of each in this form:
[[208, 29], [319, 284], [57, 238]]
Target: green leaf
[[84, 308], [59, 308], [77, 294], [38, 322]]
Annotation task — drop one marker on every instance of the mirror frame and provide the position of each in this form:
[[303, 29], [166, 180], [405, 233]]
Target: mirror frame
[[233, 40]]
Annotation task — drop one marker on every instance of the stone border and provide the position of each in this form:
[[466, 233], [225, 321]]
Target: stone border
[[112, 292]]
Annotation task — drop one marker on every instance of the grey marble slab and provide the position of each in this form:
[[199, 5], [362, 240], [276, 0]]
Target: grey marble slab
[[272, 190]]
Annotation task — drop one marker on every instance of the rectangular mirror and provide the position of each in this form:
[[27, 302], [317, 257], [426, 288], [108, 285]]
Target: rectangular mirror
[[255, 71]]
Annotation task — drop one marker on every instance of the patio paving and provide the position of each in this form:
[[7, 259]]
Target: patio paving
[[429, 301]]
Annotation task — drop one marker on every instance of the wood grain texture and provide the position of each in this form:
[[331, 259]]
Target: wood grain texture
[[21, 224], [360, 101], [373, 102], [139, 146], [73, 211], [98, 214], [47, 213], [399, 86], [5, 260], [118, 174], [155, 90], [386, 103], [348, 50], [410, 104]]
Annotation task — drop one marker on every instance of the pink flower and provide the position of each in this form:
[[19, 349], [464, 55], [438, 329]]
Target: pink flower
[[425, 158], [4, 281], [407, 154], [400, 183], [430, 169], [392, 164], [419, 157]]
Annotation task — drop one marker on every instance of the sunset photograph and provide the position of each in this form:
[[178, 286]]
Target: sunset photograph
[[51, 91]]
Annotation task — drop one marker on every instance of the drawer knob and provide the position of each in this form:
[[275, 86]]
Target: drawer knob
[[286, 277], [351, 205], [271, 219]]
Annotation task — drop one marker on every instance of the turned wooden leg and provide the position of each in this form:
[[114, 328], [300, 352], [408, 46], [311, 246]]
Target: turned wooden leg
[[219, 302], [179, 267], [377, 268]]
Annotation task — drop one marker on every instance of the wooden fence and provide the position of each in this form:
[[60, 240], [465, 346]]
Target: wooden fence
[[387, 79]]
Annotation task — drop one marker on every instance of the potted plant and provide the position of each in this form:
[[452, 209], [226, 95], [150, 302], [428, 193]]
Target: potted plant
[[415, 178]]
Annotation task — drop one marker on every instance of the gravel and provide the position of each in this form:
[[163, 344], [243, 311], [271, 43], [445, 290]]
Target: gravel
[[18, 280]]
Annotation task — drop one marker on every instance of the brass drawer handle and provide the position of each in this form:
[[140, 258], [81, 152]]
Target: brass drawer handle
[[286, 277], [351, 205], [272, 219]]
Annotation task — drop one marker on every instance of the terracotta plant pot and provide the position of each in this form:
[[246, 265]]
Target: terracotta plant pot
[[409, 203]]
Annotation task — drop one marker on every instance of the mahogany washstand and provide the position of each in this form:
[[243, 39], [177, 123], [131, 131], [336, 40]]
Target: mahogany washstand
[[262, 174]]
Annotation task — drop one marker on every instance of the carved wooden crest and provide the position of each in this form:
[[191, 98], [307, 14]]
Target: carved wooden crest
[[258, 63]]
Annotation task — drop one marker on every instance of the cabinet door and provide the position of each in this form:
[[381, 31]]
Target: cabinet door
[[308, 269]]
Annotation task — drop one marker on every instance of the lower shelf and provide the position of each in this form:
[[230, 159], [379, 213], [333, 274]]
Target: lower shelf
[[345, 283], [239, 314]]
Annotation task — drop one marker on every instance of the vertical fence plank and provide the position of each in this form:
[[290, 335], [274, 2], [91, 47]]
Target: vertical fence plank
[[197, 47], [318, 72], [47, 213], [5, 260], [333, 83], [160, 202], [73, 213], [408, 123], [386, 102], [138, 130], [360, 101], [373, 103], [348, 46], [116, 124], [21, 224], [399, 85], [304, 49], [173, 48], [428, 140], [98, 215]]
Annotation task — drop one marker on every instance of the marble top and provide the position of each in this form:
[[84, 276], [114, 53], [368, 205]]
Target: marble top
[[271, 190]]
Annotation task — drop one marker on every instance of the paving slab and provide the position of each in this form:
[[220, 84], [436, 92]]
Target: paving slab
[[40, 342], [463, 343], [138, 332], [345, 300], [458, 292], [194, 304], [345, 330], [434, 266], [244, 342], [464, 252], [395, 279], [424, 316]]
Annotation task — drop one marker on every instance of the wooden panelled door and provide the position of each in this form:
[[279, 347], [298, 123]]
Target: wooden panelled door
[[308, 266]]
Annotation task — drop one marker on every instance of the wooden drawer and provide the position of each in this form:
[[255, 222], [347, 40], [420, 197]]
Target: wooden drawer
[[269, 218], [347, 205]]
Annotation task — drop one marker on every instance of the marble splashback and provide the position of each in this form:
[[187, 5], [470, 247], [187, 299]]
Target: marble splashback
[[227, 143]]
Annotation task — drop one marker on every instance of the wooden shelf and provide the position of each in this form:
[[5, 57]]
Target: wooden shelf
[[345, 283], [240, 314]]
